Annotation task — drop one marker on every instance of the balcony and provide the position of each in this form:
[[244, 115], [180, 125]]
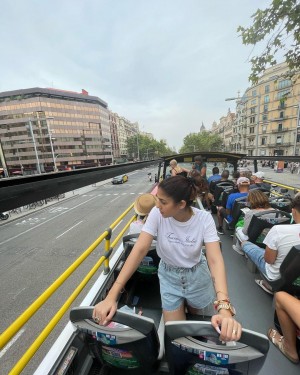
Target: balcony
[[280, 118], [282, 144], [282, 106], [279, 130]]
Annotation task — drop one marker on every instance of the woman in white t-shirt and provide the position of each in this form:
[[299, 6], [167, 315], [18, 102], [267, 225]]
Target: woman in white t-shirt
[[187, 277]]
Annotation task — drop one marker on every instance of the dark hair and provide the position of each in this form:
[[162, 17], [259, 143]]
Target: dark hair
[[215, 170], [180, 188], [201, 184], [258, 199], [296, 202], [225, 173], [198, 158], [236, 174]]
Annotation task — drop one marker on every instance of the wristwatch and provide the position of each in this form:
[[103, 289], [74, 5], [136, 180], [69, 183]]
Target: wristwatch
[[226, 306]]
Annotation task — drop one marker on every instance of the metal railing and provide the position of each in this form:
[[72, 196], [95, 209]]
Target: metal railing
[[15, 327]]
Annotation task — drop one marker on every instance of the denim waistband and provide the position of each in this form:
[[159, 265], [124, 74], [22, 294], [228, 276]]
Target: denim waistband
[[169, 267]]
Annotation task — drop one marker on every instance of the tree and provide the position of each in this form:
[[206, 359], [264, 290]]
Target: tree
[[203, 141], [280, 25], [146, 147]]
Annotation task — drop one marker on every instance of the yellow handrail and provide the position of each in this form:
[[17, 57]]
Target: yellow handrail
[[19, 366], [281, 185], [32, 309], [36, 305]]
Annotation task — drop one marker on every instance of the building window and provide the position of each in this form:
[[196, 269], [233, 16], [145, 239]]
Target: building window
[[266, 107], [264, 129], [281, 114], [263, 152], [252, 120], [279, 127], [266, 99], [263, 141], [265, 117], [279, 140], [285, 83], [251, 130], [267, 89], [252, 110], [254, 93], [282, 94]]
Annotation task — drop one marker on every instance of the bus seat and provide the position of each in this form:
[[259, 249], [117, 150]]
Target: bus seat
[[150, 263], [193, 347], [219, 191], [281, 203], [236, 212], [289, 280], [262, 221], [129, 343]]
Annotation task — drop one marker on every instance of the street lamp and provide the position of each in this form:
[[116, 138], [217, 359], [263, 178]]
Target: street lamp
[[29, 126], [50, 141], [258, 115]]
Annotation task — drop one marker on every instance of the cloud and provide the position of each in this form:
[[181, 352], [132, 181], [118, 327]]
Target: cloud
[[167, 64]]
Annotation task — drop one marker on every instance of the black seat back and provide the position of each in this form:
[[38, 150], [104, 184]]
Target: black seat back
[[193, 347], [214, 184], [149, 265], [262, 221], [222, 193], [281, 203], [129, 343], [289, 273], [236, 212]]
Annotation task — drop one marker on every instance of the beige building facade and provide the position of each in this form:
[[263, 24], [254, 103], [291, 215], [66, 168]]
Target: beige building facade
[[43, 130], [266, 119]]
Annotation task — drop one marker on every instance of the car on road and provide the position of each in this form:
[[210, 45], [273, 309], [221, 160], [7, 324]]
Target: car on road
[[120, 179]]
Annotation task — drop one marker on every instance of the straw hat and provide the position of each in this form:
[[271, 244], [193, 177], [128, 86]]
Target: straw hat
[[144, 203]]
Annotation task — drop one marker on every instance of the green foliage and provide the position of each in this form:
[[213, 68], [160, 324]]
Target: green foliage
[[148, 148], [280, 26], [203, 141]]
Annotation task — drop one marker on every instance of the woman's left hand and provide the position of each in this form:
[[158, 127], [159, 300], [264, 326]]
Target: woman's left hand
[[228, 328]]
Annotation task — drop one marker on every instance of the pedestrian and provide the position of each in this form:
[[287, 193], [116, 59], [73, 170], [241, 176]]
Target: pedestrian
[[188, 279]]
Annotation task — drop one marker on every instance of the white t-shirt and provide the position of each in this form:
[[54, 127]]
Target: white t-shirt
[[180, 243], [281, 238], [136, 227]]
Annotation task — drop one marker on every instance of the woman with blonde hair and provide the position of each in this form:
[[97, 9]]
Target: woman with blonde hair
[[177, 170]]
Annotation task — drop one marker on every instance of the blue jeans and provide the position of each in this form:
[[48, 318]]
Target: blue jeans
[[256, 254], [193, 285]]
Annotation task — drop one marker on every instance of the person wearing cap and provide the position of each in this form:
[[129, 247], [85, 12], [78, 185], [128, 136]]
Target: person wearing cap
[[243, 184], [258, 181], [142, 207]]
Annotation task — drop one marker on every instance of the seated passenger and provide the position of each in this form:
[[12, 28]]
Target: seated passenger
[[215, 176], [235, 176], [257, 181], [177, 170], [279, 241], [243, 184], [142, 207], [288, 313], [257, 201], [205, 196], [200, 165]]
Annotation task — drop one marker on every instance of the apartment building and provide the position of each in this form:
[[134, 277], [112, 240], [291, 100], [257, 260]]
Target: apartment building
[[45, 129]]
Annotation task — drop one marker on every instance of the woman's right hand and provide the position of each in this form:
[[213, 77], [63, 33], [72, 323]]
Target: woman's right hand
[[104, 311]]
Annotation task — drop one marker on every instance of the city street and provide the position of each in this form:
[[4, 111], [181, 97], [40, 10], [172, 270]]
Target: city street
[[37, 247]]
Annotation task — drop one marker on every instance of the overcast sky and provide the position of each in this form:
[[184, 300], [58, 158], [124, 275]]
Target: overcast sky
[[167, 64]]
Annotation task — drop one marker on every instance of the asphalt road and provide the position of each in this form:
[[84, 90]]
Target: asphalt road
[[35, 249]]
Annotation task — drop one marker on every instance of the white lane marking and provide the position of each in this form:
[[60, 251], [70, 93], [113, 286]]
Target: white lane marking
[[45, 222], [99, 195], [132, 193], [114, 199], [69, 229], [108, 194], [11, 342]]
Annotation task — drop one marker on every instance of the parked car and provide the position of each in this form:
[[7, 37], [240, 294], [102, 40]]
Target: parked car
[[120, 179]]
